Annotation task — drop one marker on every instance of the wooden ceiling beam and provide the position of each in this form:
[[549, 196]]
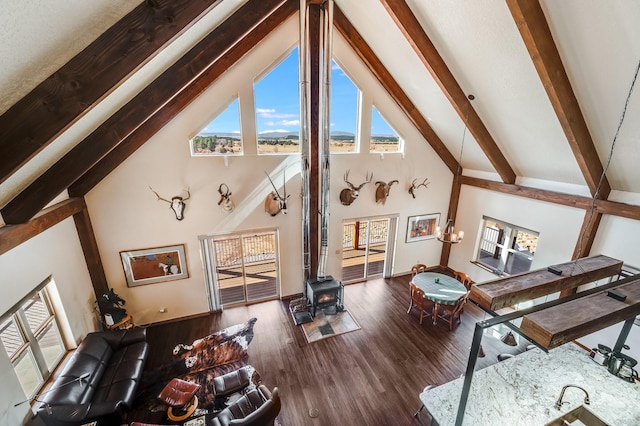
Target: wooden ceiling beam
[[366, 54], [428, 54], [537, 37], [144, 105], [158, 119], [60, 100], [612, 208], [12, 236]]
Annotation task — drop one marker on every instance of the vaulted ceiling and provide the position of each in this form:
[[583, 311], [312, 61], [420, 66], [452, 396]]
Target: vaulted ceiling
[[550, 80]]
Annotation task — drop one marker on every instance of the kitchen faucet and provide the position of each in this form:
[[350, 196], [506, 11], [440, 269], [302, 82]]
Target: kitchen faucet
[[564, 388]]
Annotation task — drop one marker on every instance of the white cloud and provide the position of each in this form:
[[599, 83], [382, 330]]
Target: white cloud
[[271, 113], [274, 131]]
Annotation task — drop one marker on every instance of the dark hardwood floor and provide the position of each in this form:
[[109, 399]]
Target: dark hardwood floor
[[371, 376]]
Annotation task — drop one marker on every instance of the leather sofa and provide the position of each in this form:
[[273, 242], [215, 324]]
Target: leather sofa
[[98, 382], [259, 407]]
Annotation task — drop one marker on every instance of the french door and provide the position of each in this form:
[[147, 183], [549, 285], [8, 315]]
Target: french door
[[366, 248], [242, 268]]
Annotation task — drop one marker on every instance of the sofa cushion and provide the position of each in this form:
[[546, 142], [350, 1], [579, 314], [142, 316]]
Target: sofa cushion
[[99, 379]]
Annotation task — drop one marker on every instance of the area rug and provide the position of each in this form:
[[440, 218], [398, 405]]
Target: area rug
[[325, 326], [200, 362]]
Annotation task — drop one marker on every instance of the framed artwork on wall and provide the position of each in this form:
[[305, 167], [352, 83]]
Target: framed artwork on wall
[[154, 265], [422, 227]]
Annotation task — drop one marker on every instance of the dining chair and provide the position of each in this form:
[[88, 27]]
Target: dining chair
[[451, 313], [463, 278], [418, 300], [417, 268]]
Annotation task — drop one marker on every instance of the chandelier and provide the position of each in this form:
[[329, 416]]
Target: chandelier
[[448, 235]]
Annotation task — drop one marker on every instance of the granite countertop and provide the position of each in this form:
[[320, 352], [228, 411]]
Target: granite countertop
[[523, 390]]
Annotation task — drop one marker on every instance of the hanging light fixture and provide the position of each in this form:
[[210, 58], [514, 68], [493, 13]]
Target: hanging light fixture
[[448, 234]]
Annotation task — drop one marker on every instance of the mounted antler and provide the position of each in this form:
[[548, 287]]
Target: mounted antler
[[225, 198], [275, 203], [414, 187], [382, 191], [176, 204], [348, 195]]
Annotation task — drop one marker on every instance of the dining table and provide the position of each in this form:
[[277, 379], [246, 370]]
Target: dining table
[[439, 288]]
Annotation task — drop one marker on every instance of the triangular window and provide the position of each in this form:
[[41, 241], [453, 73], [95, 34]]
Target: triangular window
[[278, 108], [383, 137], [222, 135], [344, 111]]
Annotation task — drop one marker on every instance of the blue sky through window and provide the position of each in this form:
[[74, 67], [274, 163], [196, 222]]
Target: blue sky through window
[[278, 106]]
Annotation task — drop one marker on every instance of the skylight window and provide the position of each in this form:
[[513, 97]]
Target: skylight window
[[383, 137], [222, 135], [278, 108]]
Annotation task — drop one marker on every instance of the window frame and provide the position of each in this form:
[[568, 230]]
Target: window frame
[[31, 346], [505, 244]]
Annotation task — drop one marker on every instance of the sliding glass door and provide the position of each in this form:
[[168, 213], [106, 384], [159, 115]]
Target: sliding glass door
[[243, 267], [365, 248]]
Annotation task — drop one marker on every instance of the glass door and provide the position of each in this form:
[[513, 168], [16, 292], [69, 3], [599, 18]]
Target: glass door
[[364, 248], [246, 267]]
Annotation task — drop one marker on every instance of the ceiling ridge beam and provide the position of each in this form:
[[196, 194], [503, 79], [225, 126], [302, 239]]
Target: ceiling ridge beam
[[54, 105], [131, 116], [367, 55], [428, 54], [158, 119], [537, 37]]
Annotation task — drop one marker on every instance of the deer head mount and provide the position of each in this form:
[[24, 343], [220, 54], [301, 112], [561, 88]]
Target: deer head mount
[[225, 198], [382, 191], [348, 195], [176, 204], [414, 187], [275, 203]]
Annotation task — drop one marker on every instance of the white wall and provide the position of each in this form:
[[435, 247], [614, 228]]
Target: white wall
[[164, 163], [56, 252], [559, 227]]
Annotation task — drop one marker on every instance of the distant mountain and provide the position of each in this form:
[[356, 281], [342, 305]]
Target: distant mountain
[[221, 134], [283, 134]]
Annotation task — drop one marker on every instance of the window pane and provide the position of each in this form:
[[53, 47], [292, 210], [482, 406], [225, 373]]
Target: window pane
[[505, 247], [490, 255], [11, 338], [344, 111], [27, 372], [36, 312], [221, 136], [51, 345], [517, 264], [383, 137], [278, 108]]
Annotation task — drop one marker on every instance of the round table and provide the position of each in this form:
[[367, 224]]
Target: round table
[[440, 288]]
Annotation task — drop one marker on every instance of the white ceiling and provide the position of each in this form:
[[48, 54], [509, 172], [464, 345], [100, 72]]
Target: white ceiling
[[598, 41]]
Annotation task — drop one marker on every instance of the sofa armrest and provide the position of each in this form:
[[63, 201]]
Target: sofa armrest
[[121, 338]]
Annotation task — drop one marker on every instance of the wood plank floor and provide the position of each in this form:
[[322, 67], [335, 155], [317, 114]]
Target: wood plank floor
[[371, 376]]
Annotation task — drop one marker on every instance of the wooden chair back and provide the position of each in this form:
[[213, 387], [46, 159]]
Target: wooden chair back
[[418, 301], [451, 313], [464, 279], [417, 268]]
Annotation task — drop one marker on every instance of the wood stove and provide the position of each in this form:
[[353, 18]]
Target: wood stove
[[325, 294]]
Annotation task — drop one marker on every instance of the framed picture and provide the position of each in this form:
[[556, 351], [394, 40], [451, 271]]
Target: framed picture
[[154, 265], [422, 227]]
